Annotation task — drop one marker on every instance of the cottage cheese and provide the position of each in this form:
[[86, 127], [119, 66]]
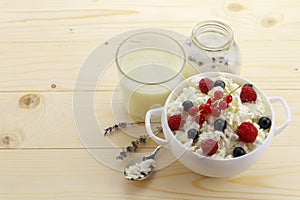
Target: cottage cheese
[[140, 170], [235, 114]]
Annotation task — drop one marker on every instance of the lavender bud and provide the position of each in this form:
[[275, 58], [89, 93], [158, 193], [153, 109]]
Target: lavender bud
[[122, 124]]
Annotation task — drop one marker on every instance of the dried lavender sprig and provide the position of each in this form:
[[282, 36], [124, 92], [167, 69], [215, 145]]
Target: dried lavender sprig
[[110, 129], [118, 126], [134, 145]]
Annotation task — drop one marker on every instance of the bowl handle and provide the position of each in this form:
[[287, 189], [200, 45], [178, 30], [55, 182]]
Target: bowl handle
[[155, 112], [287, 113]]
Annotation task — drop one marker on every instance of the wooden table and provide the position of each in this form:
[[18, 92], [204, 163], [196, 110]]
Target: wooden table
[[42, 47]]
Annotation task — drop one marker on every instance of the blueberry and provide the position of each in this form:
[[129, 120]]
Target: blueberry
[[238, 151], [192, 134], [219, 83], [248, 84], [220, 125], [187, 105], [264, 122]]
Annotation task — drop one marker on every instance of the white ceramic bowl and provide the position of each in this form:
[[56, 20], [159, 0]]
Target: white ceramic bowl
[[206, 165]]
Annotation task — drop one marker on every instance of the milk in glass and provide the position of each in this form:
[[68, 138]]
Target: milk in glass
[[148, 79]]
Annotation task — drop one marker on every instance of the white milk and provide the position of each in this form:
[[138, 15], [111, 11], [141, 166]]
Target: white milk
[[153, 81]]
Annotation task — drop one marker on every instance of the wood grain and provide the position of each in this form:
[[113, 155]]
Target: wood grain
[[72, 174], [43, 45], [59, 63], [51, 124]]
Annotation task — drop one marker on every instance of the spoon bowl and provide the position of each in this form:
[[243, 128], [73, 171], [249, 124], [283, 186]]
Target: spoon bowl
[[142, 167]]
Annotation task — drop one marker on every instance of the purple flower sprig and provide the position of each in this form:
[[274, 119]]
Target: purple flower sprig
[[135, 144], [119, 126]]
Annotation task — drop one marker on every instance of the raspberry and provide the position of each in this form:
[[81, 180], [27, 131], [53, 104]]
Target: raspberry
[[248, 94], [247, 132], [175, 122], [209, 147], [205, 85]]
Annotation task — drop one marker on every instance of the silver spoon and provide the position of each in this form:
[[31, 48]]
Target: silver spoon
[[134, 169]]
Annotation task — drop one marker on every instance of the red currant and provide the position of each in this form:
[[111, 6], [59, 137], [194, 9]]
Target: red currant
[[200, 119], [223, 105], [218, 94], [205, 109], [215, 111], [209, 101], [193, 111], [228, 99]]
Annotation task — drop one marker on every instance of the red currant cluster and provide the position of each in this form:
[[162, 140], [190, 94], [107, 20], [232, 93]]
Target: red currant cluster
[[218, 103], [214, 105]]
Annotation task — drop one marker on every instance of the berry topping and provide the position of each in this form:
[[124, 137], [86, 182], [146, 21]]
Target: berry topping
[[213, 116], [187, 105], [238, 151], [248, 84], [264, 122], [218, 94], [205, 109], [192, 134], [248, 94], [205, 85], [247, 132], [209, 147], [175, 122], [193, 111], [228, 99], [220, 125], [209, 101], [219, 83], [200, 119], [215, 111], [223, 105]]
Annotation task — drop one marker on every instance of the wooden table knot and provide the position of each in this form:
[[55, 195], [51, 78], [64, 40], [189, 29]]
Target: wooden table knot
[[11, 139], [268, 22], [29, 101], [235, 7]]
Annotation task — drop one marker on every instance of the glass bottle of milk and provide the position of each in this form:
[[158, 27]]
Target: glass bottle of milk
[[211, 47]]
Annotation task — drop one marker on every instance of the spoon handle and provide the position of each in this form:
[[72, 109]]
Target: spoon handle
[[152, 156]]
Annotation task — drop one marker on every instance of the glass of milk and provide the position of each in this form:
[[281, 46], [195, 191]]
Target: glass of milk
[[150, 66]]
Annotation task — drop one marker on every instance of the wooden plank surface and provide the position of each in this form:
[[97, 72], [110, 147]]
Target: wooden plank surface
[[72, 174], [59, 63], [43, 45], [55, 127]]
